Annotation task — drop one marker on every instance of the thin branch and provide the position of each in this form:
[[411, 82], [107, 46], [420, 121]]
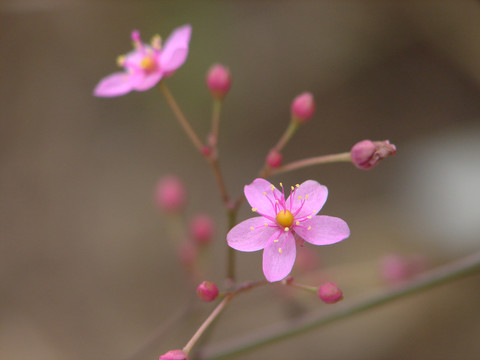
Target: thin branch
[[455, 270]]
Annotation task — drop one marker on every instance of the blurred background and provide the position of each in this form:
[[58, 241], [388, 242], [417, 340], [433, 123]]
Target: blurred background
[[86, 264]]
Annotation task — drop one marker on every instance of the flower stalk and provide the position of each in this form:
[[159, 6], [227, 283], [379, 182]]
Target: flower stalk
[[441, 275]]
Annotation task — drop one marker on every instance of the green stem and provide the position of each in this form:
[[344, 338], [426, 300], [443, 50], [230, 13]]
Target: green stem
[[455, 270], [180, 116]]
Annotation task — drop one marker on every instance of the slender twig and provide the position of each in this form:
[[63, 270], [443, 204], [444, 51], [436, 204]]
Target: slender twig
[[180, 116], [274, 333], [206, 323], [342, 157], [218, 309]]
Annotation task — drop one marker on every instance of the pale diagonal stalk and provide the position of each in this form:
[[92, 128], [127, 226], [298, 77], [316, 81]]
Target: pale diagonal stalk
[[218, 309], [449, 272], [317, 160], [180, 116]]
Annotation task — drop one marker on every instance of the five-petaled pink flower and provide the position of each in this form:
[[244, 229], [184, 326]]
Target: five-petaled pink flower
[[283, 222], [147, 64]]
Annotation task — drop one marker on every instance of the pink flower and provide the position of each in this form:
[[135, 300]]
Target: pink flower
[[282, 222], [146, 65]]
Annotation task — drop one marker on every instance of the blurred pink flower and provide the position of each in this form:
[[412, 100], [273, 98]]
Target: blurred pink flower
[[282, 222], [146, 65]]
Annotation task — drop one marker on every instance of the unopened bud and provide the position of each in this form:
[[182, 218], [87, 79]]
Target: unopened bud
[[274, 159], [367, 154], [207, 291], [330, 293], [303, 107], [170, 194], [202, 229], [219, 81], [187, 254], [174, 355], [397, 268]]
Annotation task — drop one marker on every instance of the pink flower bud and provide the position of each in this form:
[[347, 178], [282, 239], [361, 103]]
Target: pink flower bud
[[207, 291], [170, 194], [187, 255], [330, 293], [202, 229], [303, 107], [174, 355], [274, 159], [397, 268], [219, 81], [367, 154]]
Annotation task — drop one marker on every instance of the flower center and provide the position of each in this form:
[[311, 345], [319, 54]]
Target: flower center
[[284, 218], [148, 64]]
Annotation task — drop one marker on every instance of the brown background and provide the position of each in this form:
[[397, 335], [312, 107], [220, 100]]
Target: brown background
[[86, 266]]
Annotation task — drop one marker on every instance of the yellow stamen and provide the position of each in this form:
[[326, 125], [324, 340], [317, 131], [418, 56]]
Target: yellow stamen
[[298, 222], [280, 250], [156, 42], [254, 209], [299, 197], [264, 193], [286, 228], [120, 60], [252, 228], [297, 185], [309, 228], [275, 241]]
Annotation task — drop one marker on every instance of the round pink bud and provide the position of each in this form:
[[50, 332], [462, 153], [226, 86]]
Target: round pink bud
[[174, 355], [330, 293], [303, 107], [187, 254], [170, 194], [397, 268], [219, 81], [207, 291], [367, 154], [274, 159], [202, 229]]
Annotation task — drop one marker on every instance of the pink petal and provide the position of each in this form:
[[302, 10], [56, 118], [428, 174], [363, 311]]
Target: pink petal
[[277, 265], [116, 84], [243, 238], [149, 81], [325, 230], [312, 194], [260, 196], [175, 50]]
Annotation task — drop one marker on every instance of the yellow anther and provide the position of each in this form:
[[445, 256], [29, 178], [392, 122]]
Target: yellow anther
[[157, 42], [252, 228], [297, 185], [276, 201], [264, 193], [292, 188], [309, 217], [120, 60], [300, 197], [254, 209], [275, 241], [297, 223], [281, 185], [280, 250], [309, 228], [266, 225], [286, 228], [272, 187], [306, 197]]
